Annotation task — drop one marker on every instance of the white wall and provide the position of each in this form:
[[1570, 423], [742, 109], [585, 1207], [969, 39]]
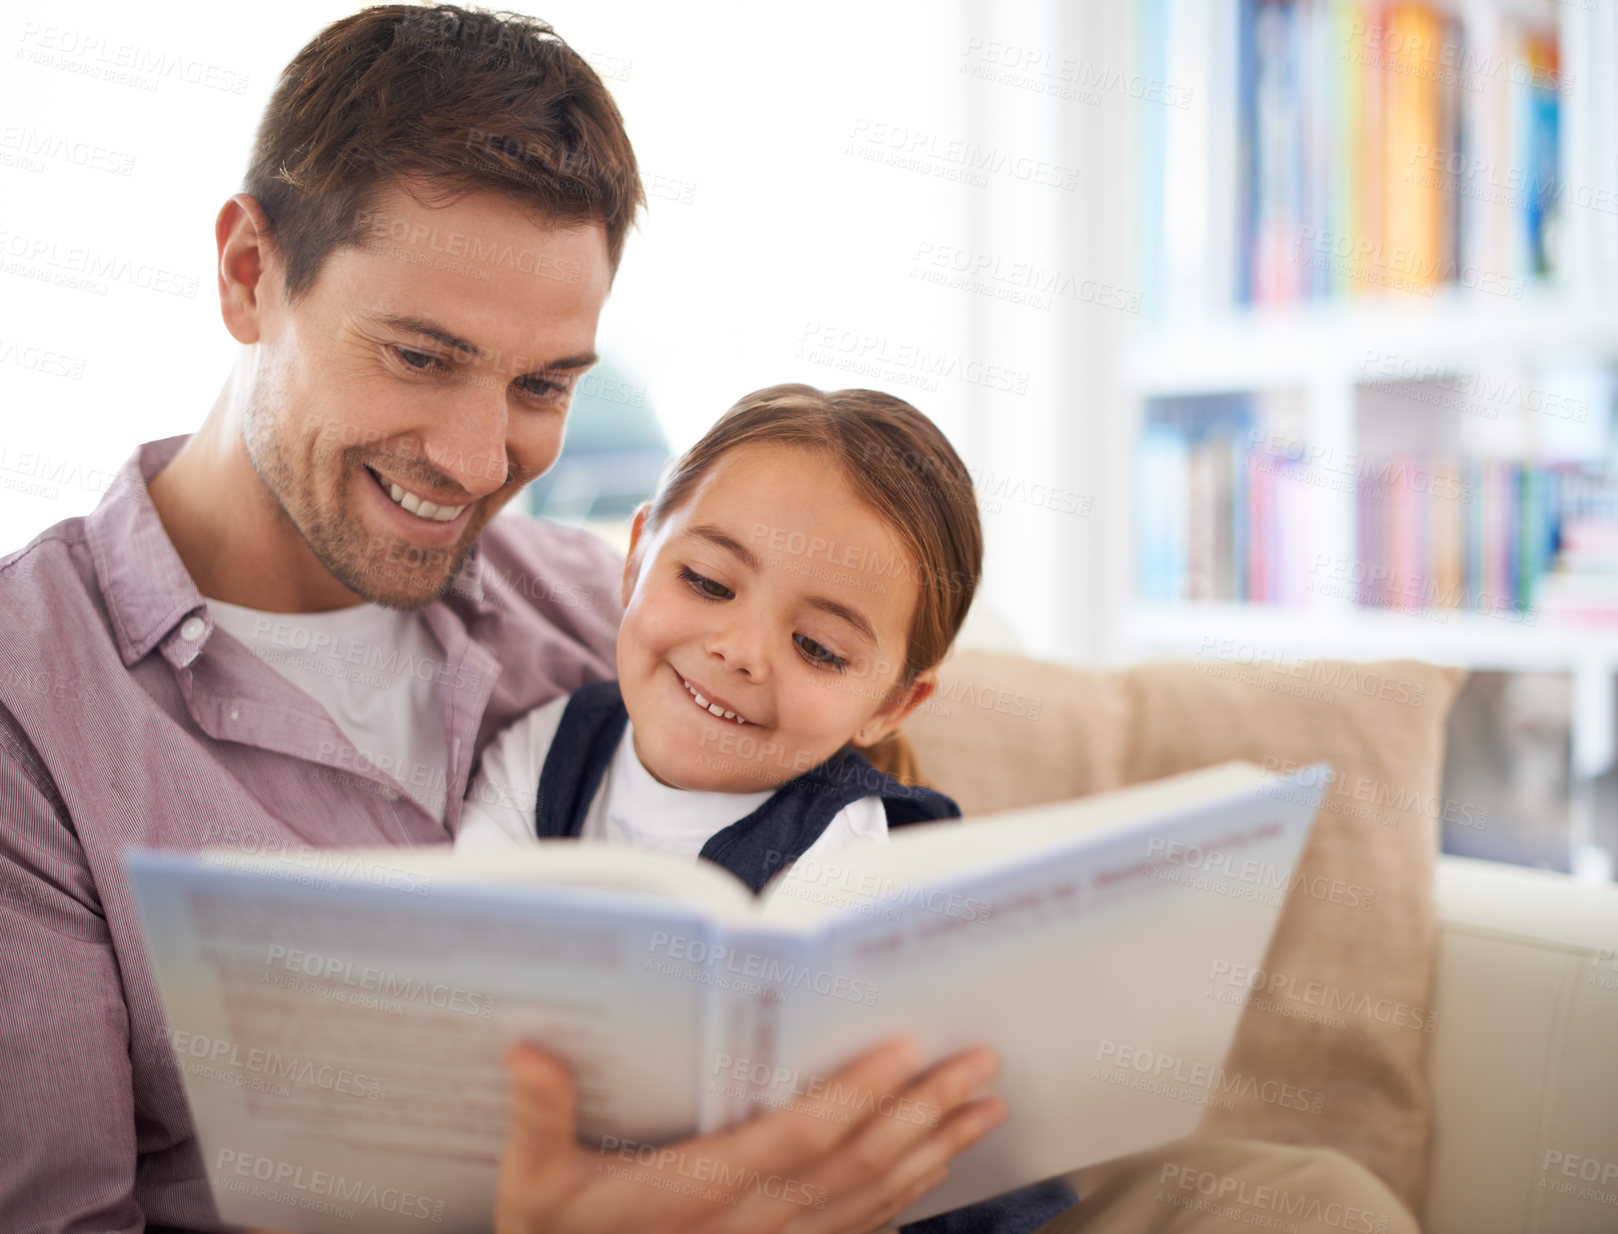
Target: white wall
[[805, 166]]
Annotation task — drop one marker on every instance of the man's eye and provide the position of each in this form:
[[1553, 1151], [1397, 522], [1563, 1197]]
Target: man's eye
[[816, 654], [412, 357], [542, 387]]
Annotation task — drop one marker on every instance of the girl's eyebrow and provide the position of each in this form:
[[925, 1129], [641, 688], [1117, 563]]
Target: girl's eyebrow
[[854, 618], [720, 538], [723, 539]]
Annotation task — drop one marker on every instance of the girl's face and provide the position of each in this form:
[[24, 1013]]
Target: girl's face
[[775, 594]]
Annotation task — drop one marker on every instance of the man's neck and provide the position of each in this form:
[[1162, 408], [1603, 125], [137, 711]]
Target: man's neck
[[234, 539]]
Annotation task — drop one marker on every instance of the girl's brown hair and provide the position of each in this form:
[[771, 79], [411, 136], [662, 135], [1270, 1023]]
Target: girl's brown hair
[[900, 465]]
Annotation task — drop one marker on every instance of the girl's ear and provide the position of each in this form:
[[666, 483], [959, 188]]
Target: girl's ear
[[632, 560], [891, 715]]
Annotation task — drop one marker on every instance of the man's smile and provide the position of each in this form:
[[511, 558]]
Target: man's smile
[[422, 507]]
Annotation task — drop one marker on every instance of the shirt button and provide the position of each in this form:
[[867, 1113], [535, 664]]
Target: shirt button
[[191, 629], [389, 794], [235, 713]]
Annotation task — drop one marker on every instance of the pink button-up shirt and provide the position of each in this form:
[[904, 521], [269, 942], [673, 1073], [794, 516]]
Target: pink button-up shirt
[[126, 719]]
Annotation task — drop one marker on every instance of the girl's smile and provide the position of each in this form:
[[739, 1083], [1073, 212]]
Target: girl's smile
[[715, 705]]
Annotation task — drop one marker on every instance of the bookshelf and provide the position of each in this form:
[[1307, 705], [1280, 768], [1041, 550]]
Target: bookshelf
[[1481, 332]]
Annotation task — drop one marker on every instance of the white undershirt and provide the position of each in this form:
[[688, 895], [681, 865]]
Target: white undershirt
[[375, 670], [630, 807]]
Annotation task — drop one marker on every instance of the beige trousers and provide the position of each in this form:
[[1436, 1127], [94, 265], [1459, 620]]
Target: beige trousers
[[1231, 1187]]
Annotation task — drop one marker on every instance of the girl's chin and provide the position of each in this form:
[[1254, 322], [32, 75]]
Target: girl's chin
[[676, 766], [686, 769]]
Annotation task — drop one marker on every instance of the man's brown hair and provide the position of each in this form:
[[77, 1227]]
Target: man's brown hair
[[469, 100]]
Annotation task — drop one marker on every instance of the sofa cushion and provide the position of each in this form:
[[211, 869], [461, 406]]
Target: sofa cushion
[[1003, 731], [1350, 966]]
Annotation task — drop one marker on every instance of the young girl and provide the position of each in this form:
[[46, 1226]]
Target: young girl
[[789, 592]]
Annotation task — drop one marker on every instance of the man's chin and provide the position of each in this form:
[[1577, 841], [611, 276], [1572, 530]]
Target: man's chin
[[405, 578]]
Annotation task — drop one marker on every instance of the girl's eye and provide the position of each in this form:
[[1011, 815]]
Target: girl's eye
[[704, 587], [820, 657], [816, 654]]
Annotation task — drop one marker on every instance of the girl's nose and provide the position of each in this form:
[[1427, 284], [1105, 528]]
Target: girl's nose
[[741, 647]]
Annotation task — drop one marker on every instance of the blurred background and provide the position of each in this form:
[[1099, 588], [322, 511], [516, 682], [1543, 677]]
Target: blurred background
[[1267, 328]]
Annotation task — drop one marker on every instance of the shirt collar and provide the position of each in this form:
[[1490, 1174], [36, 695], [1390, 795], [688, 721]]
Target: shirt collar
[[148, 592]]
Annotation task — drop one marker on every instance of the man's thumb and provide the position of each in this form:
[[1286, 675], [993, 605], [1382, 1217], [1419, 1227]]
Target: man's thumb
[[544, 1105]]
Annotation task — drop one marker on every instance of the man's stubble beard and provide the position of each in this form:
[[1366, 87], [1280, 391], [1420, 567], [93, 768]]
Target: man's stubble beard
[[362, 561]]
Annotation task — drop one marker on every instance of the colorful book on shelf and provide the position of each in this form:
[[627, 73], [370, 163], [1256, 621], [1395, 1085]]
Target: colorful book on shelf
[[1480, 535], [1314, 120], [1244, 152], [1345, 122], [1411, 253], [1476, 523], [1221, 520], [1583, 589], [1363, 163], [1375, 148], [1160, 515], [1280, 262], [1540, 94], [1194, 549], [1448, 535]]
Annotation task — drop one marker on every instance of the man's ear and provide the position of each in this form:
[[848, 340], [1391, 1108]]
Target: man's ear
[[632, 559], [892, 714], [243, 237]]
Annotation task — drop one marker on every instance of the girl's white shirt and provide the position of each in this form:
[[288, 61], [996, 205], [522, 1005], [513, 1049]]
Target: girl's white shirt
[[630, 806]]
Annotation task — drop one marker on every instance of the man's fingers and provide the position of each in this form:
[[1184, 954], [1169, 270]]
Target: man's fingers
[[544, 1104], [842, 1219], [921, 1112], [847, 1157], [789, 1140], [924, 1167], [542, 1168], [902, 1134]]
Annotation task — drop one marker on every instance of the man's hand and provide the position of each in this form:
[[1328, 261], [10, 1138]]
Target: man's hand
[[819, 1167]]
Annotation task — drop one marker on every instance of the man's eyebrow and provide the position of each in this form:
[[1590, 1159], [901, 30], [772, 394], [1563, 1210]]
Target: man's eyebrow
[[723, 539], [410, 324]]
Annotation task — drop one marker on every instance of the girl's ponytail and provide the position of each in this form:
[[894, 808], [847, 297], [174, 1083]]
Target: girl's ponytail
[[895, 756]]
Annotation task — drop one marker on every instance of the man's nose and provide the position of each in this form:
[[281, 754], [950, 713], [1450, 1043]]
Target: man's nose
[[469, 444]]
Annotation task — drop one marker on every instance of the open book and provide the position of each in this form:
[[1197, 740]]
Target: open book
[[340, 1015]]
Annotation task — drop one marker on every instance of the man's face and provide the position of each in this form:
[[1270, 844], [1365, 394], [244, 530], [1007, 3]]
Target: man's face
[[420, 383]]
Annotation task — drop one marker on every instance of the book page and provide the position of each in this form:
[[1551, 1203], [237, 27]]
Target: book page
[[757, 975], [870, 877], [341, 1043], [555, 862], [1090, 969]]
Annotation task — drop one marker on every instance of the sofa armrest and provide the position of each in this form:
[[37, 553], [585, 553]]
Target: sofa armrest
[[1523, 1059]]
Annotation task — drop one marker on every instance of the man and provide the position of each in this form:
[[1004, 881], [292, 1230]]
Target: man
[[299, 626]]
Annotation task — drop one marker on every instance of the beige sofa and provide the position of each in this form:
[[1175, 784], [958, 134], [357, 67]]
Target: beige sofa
[[1503, 1114]]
